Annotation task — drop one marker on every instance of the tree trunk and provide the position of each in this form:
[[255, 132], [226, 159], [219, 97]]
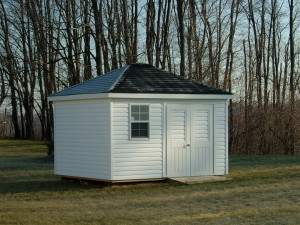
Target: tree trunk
[[181, 40]]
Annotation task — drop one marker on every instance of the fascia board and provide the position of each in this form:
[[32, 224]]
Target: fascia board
[[78, 97], [139, 96], [168, 96]]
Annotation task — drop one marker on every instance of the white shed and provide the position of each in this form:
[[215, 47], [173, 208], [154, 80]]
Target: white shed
[[139, 122]]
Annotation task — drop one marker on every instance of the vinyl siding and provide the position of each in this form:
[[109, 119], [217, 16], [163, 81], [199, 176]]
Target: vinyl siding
[[137, 158], [220, 136], [82, 138], [92, 139]]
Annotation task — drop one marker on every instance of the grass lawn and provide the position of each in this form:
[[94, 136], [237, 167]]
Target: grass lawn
[[265, 190]]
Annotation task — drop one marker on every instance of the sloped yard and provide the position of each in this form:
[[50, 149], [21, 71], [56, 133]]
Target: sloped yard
[[264, 190]]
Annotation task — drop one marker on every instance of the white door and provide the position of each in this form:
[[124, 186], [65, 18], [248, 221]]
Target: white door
[[189, 140], [202, 160], [178, 139]]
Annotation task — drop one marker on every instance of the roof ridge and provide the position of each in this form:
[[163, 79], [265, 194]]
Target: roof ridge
[[119, 77], [141, 64], [89, 80], [193, 81]]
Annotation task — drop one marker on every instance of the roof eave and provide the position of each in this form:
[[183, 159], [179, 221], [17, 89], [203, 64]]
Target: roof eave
[[77, 97], [140, 96], [169, 96]]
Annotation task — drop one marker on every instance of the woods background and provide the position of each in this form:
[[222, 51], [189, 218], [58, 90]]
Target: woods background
[[249, 47]]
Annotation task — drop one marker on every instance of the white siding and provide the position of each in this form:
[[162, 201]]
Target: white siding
[[92, 139], [137, 159], [220, 136], [82, 138]]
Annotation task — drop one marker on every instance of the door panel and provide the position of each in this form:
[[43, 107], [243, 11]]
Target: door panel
[[189, 140], [178, 160], [201, 140]]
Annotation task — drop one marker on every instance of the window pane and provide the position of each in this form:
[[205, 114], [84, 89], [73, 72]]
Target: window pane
[[144, 116], [139, 112], [144, 133], [135, 108], [144, 108], [143, 126], [135, 126], [140, 130], [135, 133], [135, 116]]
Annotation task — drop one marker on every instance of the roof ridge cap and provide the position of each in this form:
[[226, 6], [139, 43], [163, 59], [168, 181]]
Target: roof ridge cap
[[89, 80], [117, 80]]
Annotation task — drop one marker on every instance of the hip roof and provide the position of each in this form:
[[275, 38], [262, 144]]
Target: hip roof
[[140, 78]]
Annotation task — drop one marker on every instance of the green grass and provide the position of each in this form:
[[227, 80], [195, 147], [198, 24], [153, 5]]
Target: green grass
[[265, 190]]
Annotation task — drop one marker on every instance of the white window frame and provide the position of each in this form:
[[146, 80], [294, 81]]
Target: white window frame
[[140, 121]]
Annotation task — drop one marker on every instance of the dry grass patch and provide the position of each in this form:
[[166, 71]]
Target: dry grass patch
[[265, 190]]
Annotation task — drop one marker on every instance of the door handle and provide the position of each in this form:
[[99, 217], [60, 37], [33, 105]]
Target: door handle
[[187, 145]]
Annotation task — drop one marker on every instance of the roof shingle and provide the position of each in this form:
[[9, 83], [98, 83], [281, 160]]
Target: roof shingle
[[140, 78], [100, 84]]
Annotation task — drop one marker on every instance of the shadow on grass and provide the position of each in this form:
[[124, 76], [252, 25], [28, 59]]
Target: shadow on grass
[[28, 174], [48, 185], [11, 163]]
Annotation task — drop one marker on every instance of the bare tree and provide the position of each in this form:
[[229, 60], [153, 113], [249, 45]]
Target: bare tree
[[87, 72], [10, 64], [290, 127], [150, 35], [4, 88], [181, 35]]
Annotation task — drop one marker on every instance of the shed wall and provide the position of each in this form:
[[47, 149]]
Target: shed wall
[[92, 139], [137, 158], [220, 138], [82, 138], [142, 159]]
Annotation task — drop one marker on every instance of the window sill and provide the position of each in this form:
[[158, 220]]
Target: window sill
[[139, 139]]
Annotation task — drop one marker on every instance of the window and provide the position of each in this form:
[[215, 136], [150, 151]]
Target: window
[[140, 121]]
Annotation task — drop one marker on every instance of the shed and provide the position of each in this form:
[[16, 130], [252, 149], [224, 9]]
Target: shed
[[138, 123]]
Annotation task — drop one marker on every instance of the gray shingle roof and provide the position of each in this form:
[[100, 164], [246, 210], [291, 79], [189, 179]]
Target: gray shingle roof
[[100, 84], [140, 78]]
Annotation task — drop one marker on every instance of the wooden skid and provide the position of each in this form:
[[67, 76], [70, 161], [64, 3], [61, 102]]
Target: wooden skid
[[111, 181]]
